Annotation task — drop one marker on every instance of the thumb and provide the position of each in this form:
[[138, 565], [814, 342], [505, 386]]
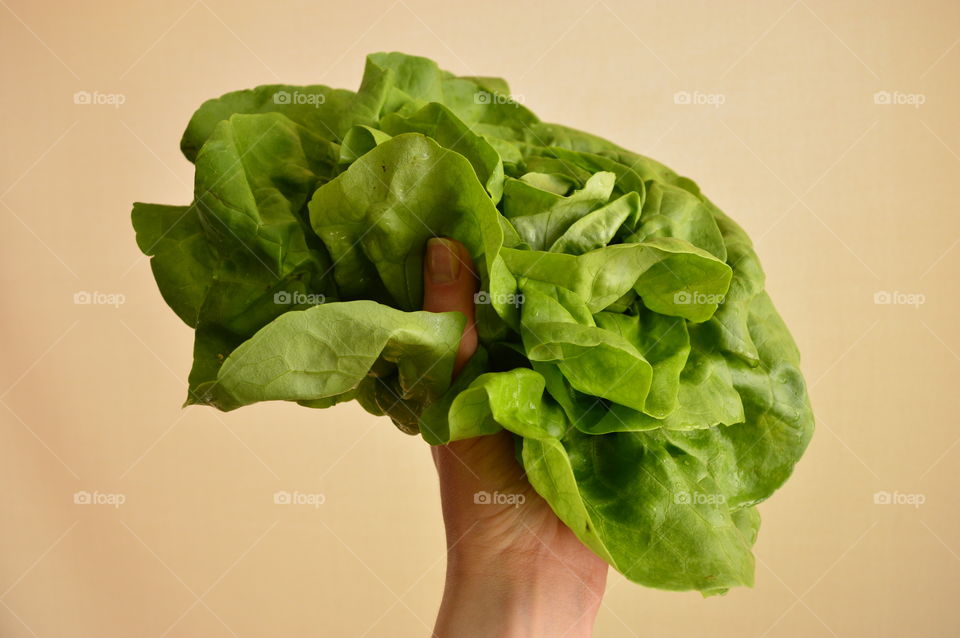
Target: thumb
[[449, 283]]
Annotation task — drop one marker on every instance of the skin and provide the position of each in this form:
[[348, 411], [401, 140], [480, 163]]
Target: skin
[[512, 570]]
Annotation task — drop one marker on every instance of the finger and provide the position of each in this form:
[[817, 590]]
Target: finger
[[449, 283]]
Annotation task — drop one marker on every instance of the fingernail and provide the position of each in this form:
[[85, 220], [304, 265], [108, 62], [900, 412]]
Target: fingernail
[[443, 261]]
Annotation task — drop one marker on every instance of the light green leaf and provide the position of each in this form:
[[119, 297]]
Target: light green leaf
[[376, 217], [328, 349]]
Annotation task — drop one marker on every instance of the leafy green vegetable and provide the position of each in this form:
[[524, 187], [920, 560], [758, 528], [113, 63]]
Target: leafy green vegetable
[[625, 336]]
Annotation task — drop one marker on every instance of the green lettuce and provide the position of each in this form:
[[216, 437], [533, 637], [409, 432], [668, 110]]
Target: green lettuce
[[626, 340]]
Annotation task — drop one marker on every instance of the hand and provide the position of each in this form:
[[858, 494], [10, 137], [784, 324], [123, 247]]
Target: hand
[[513, 568]]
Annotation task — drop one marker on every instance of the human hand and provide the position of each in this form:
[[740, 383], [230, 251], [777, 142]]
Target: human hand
[[513, 568]]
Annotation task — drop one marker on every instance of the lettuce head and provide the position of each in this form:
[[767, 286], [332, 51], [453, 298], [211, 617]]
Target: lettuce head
[[626, 340]]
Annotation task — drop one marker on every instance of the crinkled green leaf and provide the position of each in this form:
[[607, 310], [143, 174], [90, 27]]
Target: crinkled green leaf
[[313, 354], [182, 260], [541, 217], [597, 228], [254, 176], [442, 126], [498, 400], [319, 109], [670, 211], [376, 217], [359, 140], [654, 504], [664, 344], [671, 276], [595, 361]]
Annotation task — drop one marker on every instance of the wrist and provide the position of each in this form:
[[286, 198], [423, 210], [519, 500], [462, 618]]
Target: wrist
[[517, 595]]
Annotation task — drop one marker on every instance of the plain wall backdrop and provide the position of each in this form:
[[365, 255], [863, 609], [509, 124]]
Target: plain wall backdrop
[[828, 129]]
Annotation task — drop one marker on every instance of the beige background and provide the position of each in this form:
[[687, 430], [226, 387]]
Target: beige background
[[845, 198]]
